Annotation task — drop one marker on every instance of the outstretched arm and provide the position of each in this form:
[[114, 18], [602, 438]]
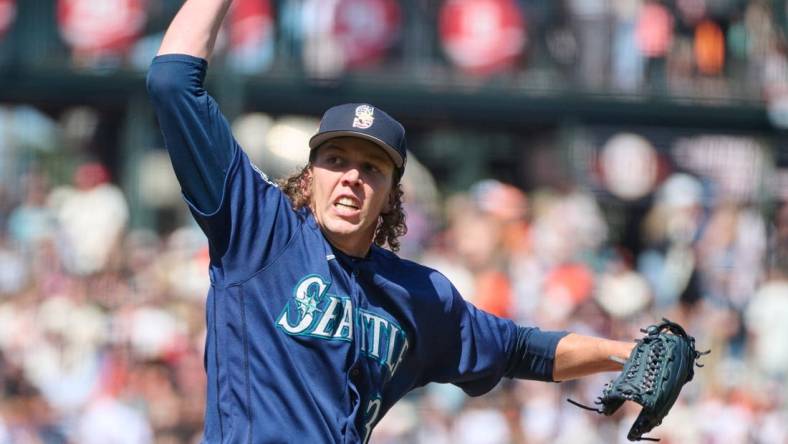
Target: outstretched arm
[[193, 30], [577, 356]]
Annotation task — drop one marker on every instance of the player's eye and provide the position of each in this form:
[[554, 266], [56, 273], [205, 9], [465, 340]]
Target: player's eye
[[371, 168], [333, 160]]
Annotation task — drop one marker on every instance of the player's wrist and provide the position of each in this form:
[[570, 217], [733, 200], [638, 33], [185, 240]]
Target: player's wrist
[[617, 352]]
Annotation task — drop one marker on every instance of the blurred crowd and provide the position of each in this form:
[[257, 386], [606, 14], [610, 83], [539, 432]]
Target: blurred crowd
[[102, 326], [546, 258], [708, 49], [102, 317]]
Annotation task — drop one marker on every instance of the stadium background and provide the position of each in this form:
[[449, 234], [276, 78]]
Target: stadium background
[[590, 165]]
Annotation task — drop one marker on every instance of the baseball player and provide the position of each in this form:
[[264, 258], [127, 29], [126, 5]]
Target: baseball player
[[313, 329]]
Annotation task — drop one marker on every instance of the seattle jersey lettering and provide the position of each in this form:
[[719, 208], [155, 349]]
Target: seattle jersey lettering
[[316, 313]]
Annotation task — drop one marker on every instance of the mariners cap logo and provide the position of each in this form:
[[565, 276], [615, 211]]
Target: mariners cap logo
[[364, 117]]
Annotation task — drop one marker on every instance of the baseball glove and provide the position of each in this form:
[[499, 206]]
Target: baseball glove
[[659, 365]]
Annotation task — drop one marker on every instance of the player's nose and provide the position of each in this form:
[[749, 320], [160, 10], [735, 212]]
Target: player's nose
[[352, 176]]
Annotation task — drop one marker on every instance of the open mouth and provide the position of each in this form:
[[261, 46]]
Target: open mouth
[[346, 202]]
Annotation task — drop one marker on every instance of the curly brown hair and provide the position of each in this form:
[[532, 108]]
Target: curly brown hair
[[391, 225]]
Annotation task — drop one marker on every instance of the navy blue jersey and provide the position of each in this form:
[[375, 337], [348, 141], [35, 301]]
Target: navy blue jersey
[[307, 344]]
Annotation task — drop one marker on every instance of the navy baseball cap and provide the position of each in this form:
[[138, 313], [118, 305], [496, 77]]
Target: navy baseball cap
[[366, 122]]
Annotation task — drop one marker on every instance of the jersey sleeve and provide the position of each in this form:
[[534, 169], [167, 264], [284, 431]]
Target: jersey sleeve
[[246, 217], [475, 349], [196, 134]]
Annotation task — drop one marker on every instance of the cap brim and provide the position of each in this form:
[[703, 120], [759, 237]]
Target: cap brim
[[319, 138]]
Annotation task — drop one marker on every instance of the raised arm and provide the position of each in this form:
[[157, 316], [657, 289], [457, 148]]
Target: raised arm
[[193, 30], [577, 356], [196, 134]]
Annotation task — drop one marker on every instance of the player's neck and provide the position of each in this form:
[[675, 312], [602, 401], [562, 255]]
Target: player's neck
[[350, 245]]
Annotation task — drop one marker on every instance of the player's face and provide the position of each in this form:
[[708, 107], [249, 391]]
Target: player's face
[[352, 180]]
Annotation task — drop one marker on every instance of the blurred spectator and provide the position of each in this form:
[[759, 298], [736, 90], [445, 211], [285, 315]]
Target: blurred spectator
[[91, 217], [709, 48], [108, 420], [591, 22], [482, 37], [766, 314], [671, 229], [622, 292], [480, 424], [654, 34], [14, 273], [627, 71], [251, 36], [100, 34], [25, 417], [32, 221], [734, 238]]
